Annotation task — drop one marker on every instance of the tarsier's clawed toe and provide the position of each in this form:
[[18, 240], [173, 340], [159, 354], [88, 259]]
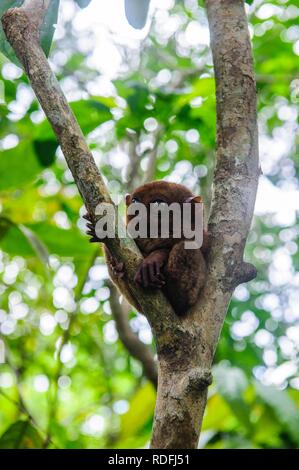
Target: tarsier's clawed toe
[[91, 228], [150, 276], [118, 269], [88, 217]]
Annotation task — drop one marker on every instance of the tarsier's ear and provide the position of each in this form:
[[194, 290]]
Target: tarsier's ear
[[194, 199], [128, 199]]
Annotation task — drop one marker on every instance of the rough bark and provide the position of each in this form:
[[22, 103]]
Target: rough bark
[[130, 340], [23, 35], [36, 10], [185, 345], [183, 377]]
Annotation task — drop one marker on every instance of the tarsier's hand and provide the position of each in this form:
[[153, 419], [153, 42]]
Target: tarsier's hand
[[149, 272]]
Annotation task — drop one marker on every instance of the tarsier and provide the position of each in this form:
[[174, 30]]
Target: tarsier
[[179, 272]]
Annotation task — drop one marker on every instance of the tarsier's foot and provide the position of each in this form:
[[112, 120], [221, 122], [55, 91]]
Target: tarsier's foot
[[118, 269], [149, 274], [91, 228]]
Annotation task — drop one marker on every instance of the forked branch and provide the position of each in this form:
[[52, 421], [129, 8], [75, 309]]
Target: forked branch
[[185, 345]]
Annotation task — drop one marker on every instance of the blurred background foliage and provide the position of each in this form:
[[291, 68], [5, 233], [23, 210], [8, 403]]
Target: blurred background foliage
[[147, 109]]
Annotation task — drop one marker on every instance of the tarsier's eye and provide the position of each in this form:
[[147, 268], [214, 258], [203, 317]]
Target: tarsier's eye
[[158, 202]]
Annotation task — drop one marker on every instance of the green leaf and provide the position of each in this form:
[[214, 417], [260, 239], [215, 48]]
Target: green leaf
[[18, 166], [5, 47], [69, 243], [231, 383], [223, 419], [45, 151], [36, 244], [20, 240], [201, 87], [283, 406], [141, 409], [40, 239], [47, 29], [138, 98], [91, 113], [13, 241], [136, 12], [21, 435]]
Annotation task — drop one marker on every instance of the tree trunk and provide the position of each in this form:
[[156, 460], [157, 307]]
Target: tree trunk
[[181, 402], [186, 345]]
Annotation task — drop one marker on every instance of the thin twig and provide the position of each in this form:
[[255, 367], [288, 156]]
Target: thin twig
[[21, 32], [185, 345]]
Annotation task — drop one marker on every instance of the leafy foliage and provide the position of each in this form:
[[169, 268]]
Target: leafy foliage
[[68, 380], [5, 47], [21, 435], [47, 29], [263, 416]]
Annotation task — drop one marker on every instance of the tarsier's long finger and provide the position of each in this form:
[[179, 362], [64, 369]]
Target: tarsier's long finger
[[93, 240], [157, 285], [154, 281], [119, 267], [90, 225], [158, 281], [161, 278], [91, 232], [137, 277], [145, 276], [159, 274], [118, 274], [151, 270]]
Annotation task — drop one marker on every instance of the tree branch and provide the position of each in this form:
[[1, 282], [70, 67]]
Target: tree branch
[[152, 158], [235, 183], [36, 10], [185, 345], [130, 340], [21, 32]]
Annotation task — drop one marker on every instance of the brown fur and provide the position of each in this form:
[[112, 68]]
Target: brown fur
[[168, 265]]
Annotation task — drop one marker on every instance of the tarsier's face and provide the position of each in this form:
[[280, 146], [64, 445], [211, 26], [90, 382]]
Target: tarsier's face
[[159, 194]]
